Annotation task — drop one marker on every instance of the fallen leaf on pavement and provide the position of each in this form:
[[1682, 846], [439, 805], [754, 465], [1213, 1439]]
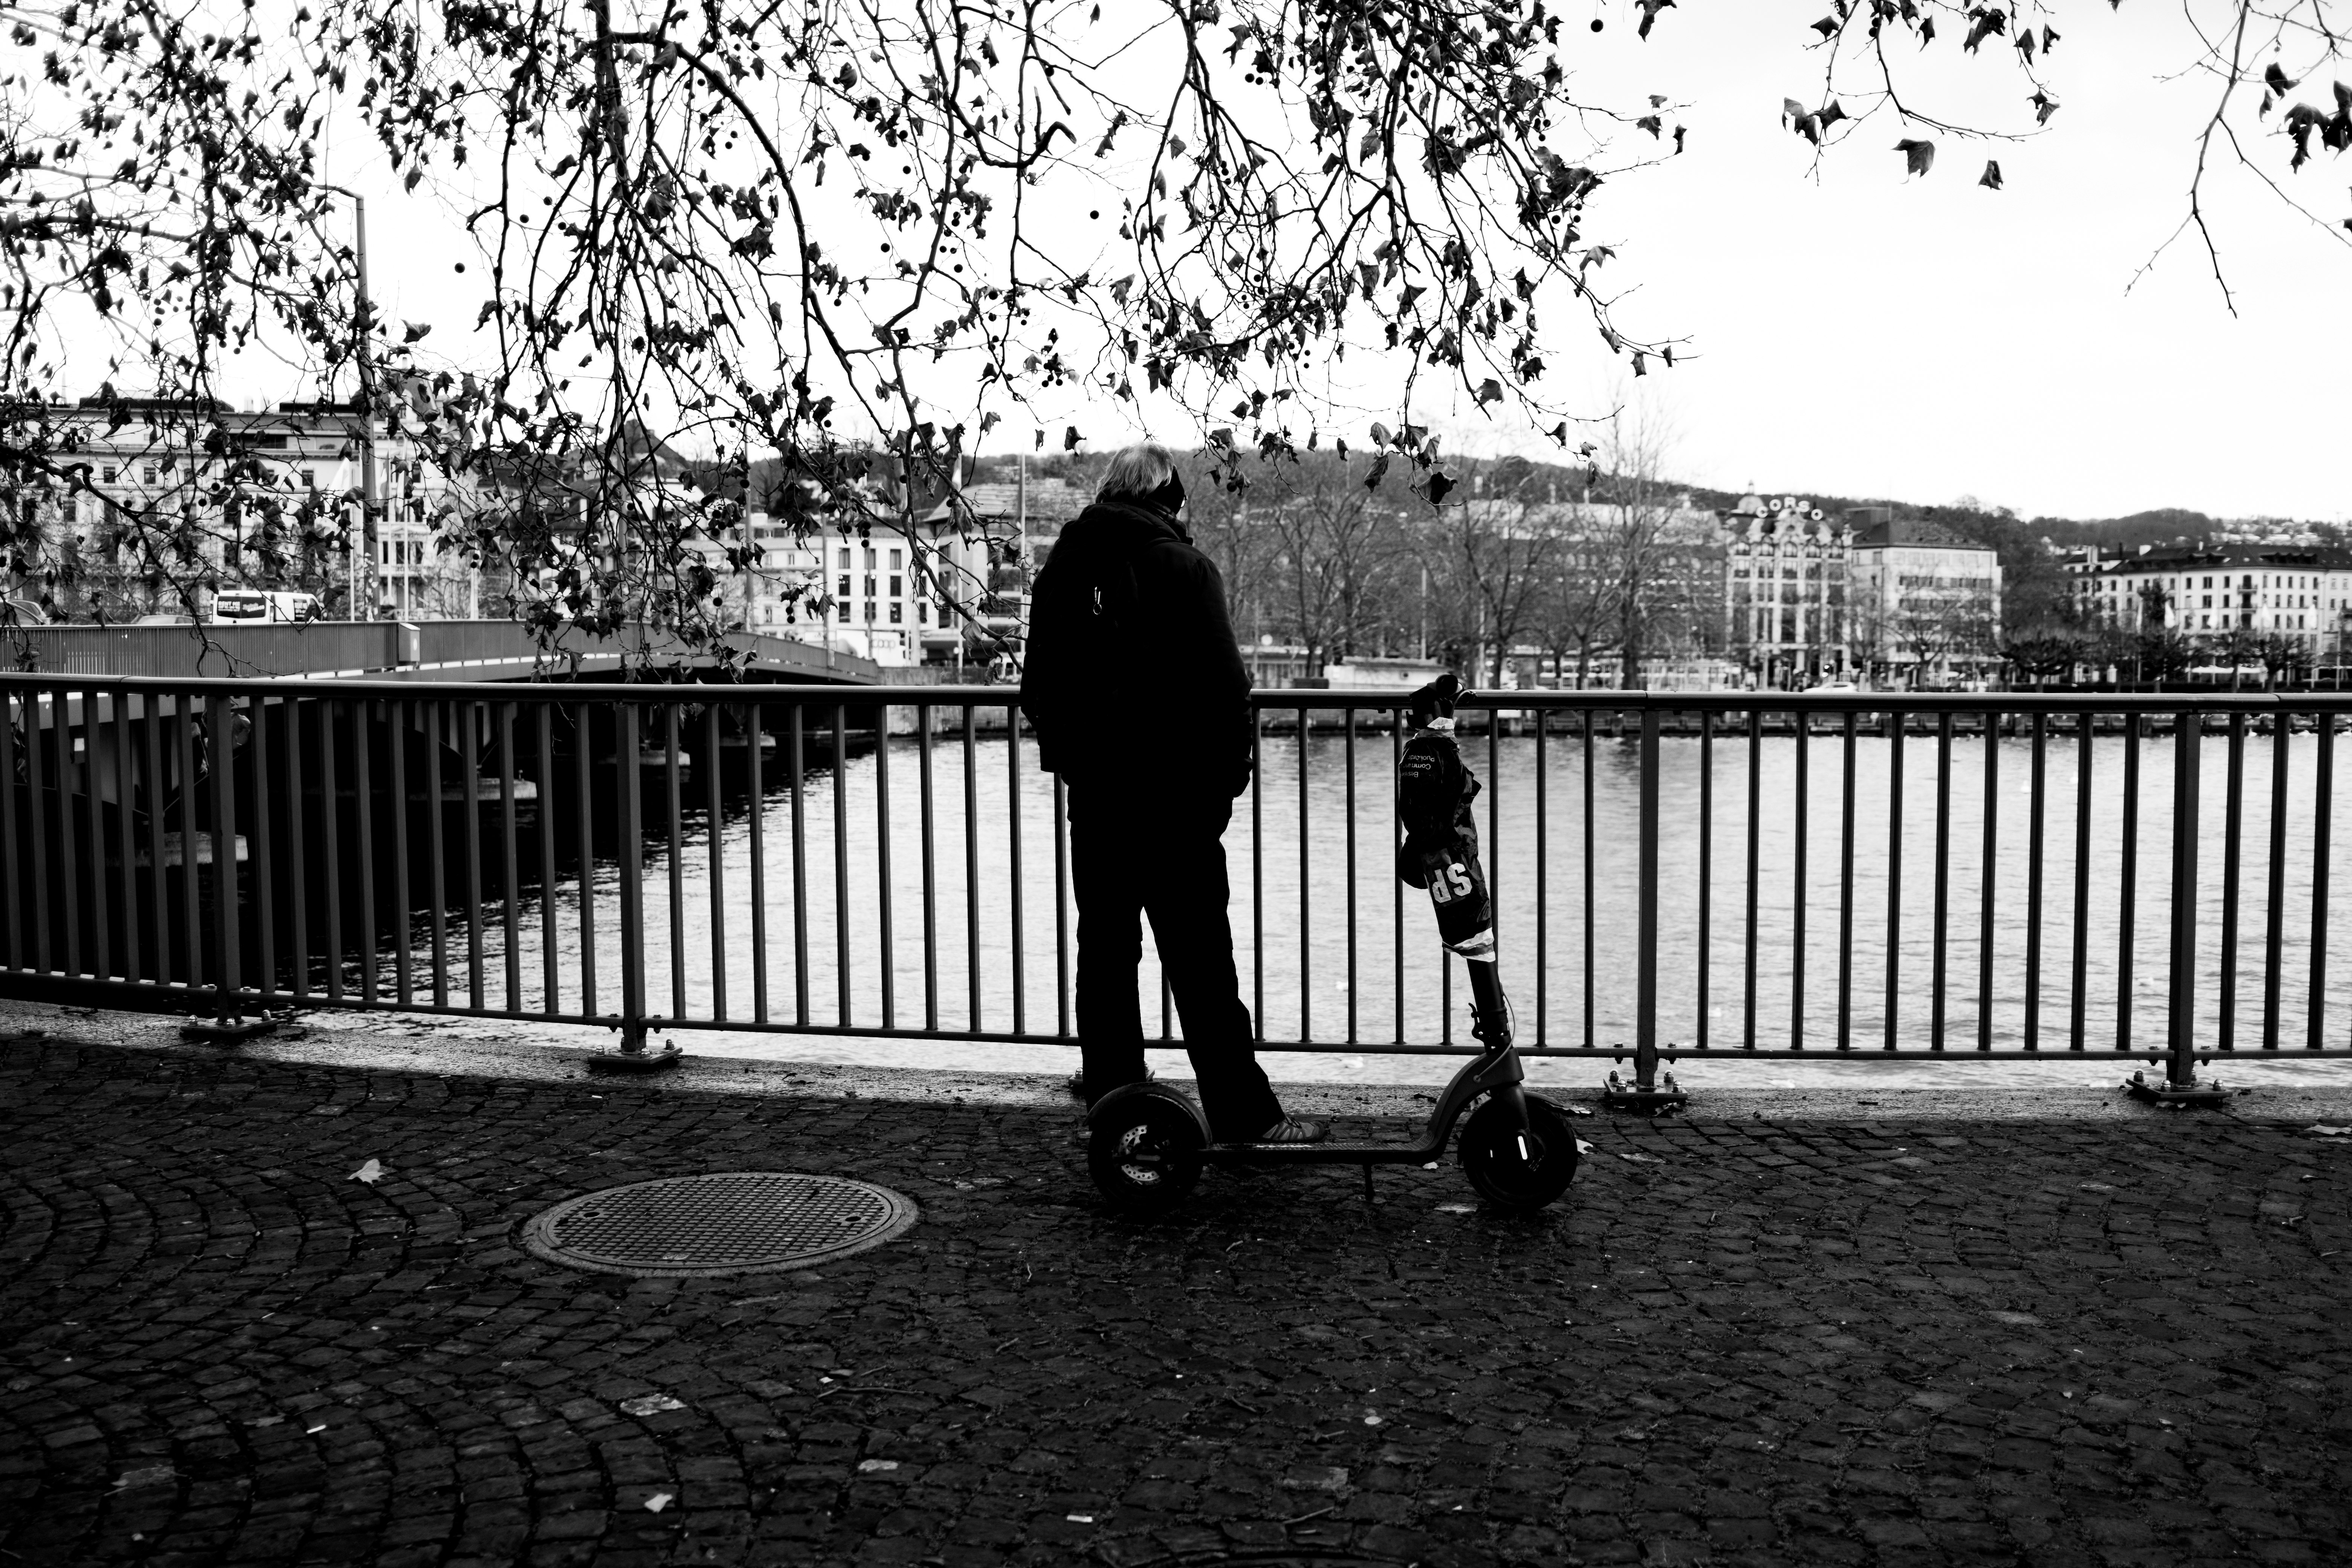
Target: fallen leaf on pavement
[[1330, 1478], [146, 1476]]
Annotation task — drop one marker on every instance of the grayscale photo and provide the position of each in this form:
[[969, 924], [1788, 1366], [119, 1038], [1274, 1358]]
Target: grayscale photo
[[1164, 783]]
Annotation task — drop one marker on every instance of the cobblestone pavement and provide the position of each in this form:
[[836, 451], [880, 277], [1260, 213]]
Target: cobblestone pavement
[[1737, 1341]]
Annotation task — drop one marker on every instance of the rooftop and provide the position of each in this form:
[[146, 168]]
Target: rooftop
[[1912, 533], [1049, 500], [2216, 554]]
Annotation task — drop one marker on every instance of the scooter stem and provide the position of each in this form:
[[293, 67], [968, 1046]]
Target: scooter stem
[[1490, 1010], [1495, 1070]]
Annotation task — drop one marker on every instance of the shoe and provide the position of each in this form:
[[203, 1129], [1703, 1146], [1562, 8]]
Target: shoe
[[1294, 1130]]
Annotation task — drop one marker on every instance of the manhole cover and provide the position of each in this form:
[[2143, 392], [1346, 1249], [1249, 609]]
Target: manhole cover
[[736, 1222]]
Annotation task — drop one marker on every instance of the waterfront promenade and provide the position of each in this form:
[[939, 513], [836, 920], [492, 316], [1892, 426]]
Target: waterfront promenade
[[2036, 1327], [2031, 1327]]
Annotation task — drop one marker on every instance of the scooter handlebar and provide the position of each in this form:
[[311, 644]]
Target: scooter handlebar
[[1434, 701]]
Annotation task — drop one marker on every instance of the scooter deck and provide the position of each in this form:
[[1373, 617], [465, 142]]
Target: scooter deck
[[1360, 1153]]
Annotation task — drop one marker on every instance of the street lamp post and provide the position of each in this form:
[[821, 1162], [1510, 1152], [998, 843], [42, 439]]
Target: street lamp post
[[367, 550]]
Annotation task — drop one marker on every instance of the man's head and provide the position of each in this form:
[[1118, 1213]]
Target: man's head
[[1144, 473]]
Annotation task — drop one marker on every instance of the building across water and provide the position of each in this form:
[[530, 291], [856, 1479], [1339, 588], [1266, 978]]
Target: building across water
[[1810, 598], [1785, 590], [1923, 602], [266, 499], [2227, 590], [950, 589]]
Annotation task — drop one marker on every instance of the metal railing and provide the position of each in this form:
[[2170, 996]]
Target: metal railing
[[502, 650], [507, 644], [2009, 876], [186, 651]]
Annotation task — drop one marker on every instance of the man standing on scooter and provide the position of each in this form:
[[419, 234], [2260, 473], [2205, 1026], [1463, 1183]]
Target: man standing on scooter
[[1140, 701]]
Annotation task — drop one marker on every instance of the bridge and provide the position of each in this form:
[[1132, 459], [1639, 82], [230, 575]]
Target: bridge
[[1731, 875], [474, 651]]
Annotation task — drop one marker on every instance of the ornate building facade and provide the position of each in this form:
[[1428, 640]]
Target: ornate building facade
[[1786, 591]]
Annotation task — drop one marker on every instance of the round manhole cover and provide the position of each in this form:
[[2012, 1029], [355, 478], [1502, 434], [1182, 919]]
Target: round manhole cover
[[736, 1222]]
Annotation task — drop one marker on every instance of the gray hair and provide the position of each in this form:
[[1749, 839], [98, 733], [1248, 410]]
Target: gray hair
[[1137, 470]]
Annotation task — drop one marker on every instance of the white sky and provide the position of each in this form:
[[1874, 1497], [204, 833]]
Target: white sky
[[1871, 334], [1856, 332]]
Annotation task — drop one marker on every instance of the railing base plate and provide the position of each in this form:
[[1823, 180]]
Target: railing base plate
[[1652, 1092], [227, 1031], [635, 1061], [1648, 1101], [2162, 1091]]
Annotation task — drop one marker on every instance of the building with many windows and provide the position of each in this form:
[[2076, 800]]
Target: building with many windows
[[1923, 602], [898, 598], [1786, 567], [263, 498], [950, 589], [2292, 587], [1019, 519]]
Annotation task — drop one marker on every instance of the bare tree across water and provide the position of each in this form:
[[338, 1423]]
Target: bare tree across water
[[1340, 556], [1496, 558], [1574, 614], [1659, 567], [1934, 628]]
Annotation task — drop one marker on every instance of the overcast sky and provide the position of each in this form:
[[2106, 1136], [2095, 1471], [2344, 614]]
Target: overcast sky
[[1856, 332], [1926, 339]]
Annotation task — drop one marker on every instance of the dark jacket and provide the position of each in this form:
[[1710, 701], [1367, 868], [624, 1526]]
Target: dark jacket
[[1131, 677]]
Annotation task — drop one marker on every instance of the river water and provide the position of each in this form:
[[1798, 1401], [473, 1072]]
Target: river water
[[1571, 977]]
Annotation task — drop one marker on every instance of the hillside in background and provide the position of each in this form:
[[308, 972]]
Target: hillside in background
[[2034, 588], [2159, 527]]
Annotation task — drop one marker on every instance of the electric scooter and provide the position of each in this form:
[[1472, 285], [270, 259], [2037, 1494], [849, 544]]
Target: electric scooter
[[1146, 1143]]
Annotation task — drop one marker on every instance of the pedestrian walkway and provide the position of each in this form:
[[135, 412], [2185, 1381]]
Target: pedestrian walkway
[[1791, 1339]]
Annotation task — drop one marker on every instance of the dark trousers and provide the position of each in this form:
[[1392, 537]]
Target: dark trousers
[[1169, 864]]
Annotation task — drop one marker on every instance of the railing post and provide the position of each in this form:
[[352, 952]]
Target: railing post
[[2323, 795], [1645, 939], [228, 1025], [1646, 1092], [13, 871], [2181, 1085], [2182, 987], [633, 1056]]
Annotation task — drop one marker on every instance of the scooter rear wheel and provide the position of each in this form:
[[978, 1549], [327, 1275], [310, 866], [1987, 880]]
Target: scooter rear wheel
[[1492, 1158], [1144, 1154]]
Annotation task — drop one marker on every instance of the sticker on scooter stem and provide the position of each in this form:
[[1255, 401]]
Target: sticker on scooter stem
[[1458, 894]]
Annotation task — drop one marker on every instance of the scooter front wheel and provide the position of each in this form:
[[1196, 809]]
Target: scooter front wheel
[[1144, 1152], [1514, 1170]]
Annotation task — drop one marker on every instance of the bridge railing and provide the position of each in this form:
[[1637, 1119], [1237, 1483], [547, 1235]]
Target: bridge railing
[[505, 650], [1733, 874], [183, 651], [483, 649]]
